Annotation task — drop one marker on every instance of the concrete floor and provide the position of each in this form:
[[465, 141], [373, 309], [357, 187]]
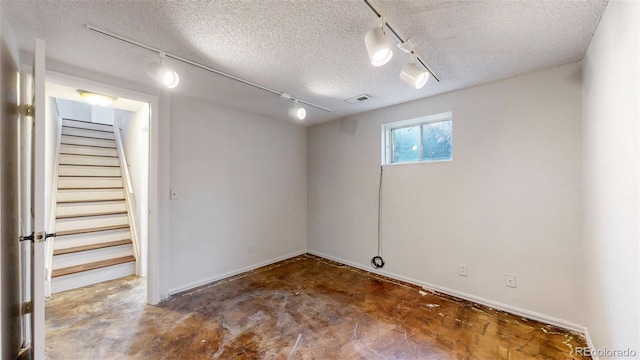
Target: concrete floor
[[301, 308]]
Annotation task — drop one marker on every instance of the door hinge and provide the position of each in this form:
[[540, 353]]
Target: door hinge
[[28, 110], [27, 238], [39, 236], [27, 307]]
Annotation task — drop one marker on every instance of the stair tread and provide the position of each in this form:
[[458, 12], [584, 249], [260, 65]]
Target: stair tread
[[94, 146], [91, 214], [84, 128], [89, 188], [71, 177], [104, 156], [86, 122], [88, 137], [109, 166], [92, 266], [79, 154], [89, 230], [86, 201], [96, 246]]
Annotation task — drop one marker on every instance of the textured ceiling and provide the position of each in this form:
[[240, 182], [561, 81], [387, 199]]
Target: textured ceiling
[[313, 50]]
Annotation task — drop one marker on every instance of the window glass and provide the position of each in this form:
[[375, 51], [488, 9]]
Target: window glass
[[436, 141], [406, 144], [423, 139]]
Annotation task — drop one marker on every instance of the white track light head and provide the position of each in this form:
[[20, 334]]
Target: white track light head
[[298, 113], [163, 75], [378, 47], [414, 76]]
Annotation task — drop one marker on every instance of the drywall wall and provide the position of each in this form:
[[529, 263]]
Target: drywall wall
[[611, 174], [135, 140], [74, 110], [509, 202], [240, 180]]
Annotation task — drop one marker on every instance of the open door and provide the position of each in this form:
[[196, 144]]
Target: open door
[[38, 203], [32, 214]]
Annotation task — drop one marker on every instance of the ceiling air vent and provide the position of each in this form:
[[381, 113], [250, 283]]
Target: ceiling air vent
[[358, 99]]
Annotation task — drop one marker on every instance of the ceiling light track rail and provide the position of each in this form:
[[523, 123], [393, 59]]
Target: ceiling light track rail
[[395, 33], [201, 66]]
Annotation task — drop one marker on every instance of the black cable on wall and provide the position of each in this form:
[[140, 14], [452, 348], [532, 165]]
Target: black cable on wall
[[377, 262]]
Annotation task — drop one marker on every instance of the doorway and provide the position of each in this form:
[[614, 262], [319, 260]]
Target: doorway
[[134, 117]]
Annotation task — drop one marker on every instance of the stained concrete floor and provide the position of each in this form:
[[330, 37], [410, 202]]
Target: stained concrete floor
[[301, 308]]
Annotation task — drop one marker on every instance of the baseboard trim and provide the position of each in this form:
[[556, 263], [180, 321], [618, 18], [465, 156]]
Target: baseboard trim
[[568, 325], [210, 280], [590, 343]]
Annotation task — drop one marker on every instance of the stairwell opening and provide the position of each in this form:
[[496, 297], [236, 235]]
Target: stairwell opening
[[99, 189]]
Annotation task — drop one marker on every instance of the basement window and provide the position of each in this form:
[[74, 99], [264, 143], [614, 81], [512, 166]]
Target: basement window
[[423, 139]]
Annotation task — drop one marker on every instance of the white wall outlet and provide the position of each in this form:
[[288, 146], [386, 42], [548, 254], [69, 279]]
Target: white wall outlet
[[510, 280], [173, 195], [252, 247], [462, 269]]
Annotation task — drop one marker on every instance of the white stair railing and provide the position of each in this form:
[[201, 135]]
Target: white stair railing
[[48, 256], [129, 195]]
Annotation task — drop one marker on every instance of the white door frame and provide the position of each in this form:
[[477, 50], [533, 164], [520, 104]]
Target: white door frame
[[154, 295]]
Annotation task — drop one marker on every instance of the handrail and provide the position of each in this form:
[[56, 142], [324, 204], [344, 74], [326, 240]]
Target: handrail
[[54, 195], [129, 195]]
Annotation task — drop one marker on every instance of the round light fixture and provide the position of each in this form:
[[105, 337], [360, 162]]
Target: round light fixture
[[377, 46], [163, 75], [414, 76], [96, 99], [298, 113]]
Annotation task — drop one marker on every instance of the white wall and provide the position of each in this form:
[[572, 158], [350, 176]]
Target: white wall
[[135, 140], [74, 110], [611, 175], [509, 202], [240, 179]]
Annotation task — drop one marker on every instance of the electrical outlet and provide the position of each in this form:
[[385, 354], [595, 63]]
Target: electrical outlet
[[285, 242], [462, 269], [252, 247], [173, 195], [510, 280]]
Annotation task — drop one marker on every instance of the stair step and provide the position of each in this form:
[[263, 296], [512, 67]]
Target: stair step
[[87, 195], [79, 140], [90, 214], [91, 266], [87, 150], [89, 182], [87, 171], [87, 133], [87, 125], [90, 277], [74, 240], [90, 230], [67, 210], [66, 159], [91, 247], [91, 222]]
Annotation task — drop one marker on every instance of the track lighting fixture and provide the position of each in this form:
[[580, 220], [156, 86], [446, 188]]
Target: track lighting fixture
[[171, 79], [377, 45], [297, 112], [97, 99], [417, 72], [162, 74], [414, 75]]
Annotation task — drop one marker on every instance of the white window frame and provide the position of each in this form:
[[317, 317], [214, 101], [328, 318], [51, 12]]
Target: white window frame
[[387, 142]]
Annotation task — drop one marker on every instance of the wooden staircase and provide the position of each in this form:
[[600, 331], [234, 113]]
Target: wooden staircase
[[93, 242]]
